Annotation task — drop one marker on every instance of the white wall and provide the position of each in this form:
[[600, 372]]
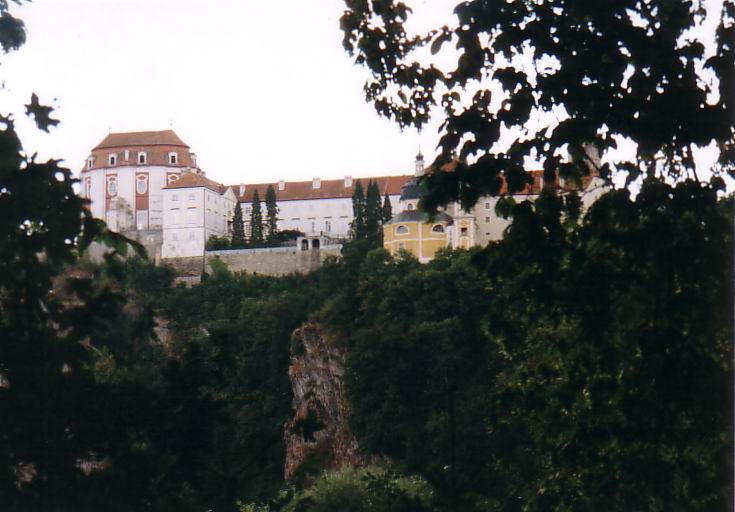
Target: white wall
[[311, 216]]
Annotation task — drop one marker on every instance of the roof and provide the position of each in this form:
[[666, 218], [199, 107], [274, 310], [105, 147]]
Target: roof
[[328, 189], [411, 190], [159, 138], [193, 180], [418, 216]]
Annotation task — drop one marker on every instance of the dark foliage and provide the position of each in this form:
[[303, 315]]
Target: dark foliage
[[256, 222], [562, 75], [271, 217], [238, 228]]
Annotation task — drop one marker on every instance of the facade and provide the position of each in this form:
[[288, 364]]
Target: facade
[[194, 208], [124, 177], [415, 232], [148, 186], [317, 207]]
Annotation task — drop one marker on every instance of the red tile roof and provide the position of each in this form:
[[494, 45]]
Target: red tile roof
[[132, 139], [328, 189], [193, 180]]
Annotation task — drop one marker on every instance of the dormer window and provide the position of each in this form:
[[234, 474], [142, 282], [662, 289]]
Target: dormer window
[[142, 158], [401, 230], [438, 228], [112, 159], [90, 162], [173, 158]]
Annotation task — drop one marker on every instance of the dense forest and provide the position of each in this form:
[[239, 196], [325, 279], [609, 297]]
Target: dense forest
[[565, 364], [583, 362]]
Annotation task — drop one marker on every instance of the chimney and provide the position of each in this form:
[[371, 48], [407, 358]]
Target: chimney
[[281, 185], [316, 183], [242, 190], [419, 164], [193, 157], [348, 181]]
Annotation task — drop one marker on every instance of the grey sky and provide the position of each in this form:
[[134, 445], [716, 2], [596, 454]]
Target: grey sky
[[260, 90]]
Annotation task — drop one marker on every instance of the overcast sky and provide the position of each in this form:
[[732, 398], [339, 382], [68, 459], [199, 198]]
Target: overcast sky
[[260, 90]]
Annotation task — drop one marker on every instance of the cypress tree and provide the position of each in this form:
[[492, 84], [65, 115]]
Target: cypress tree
[[256, 222], [271, 219], [238, 228], [373, 211], [358, 212], [387, 208]]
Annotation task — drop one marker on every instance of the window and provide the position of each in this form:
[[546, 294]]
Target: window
[[191, 235], [327, 226], [401, 246], [90, 162], [112, 159], [410, 206], [487, 206], [192, 196], [438, 228], [173, 158], [463, 231], [141, 184], [175, 197], [487, 219], [248, 210], [88, 188], [172, 178], [127, 155], [141, 219], [174, 216], [191, 215], [312, 226], [401, 230], [142, 158], [112, 186]]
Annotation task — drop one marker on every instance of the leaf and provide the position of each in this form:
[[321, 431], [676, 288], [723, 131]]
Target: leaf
[[444, 37], [40, 113]]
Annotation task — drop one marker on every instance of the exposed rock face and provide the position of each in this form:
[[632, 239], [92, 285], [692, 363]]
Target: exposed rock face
[[318, 434]]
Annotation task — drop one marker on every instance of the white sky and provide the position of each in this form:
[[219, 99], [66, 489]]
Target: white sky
[[260, 90]]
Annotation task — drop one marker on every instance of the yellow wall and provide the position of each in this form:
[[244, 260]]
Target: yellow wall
[[420, 240]]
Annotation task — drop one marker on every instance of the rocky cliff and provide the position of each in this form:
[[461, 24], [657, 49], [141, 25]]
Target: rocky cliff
[[317, 435]]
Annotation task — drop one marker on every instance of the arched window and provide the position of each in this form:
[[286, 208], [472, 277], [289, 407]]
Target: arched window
[[437, 228], [401, 230], [410, 206], [111, 186], [141, 184]]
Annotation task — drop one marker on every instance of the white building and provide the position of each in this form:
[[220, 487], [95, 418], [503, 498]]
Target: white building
[[194, 208], [124, 176], [317, 207]]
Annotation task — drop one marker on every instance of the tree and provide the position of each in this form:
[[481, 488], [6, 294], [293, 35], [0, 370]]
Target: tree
[[387, 210], [540, 79], [238, 228], [358, 212], [256, 222], [271, 221], [373, 212]]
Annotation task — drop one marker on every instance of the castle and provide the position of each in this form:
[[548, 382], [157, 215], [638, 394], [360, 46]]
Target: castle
[[148, 186]]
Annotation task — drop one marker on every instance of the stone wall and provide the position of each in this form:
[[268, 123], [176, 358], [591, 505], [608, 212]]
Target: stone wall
[[186, 269], [275, 261]]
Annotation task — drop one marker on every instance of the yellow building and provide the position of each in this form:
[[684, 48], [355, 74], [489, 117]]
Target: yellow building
[[414, 232]]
